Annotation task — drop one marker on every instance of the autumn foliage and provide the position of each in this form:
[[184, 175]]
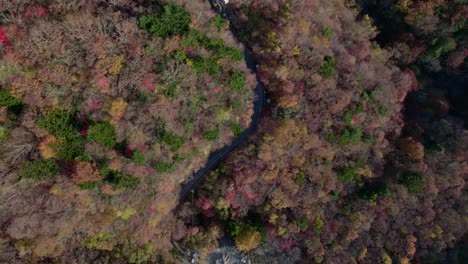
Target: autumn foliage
[[107, 107], [338, 171]]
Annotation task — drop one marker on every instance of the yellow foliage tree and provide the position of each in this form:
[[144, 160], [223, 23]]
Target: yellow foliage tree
[[248, 239], [117, 65], [296, 51], [118, 109], [110, 64]]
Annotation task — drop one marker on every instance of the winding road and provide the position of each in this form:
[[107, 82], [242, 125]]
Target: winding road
[[220, 154]]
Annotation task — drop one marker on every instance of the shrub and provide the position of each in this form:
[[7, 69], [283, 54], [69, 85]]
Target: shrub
[[328, 69], [7, 100], [237, 80], [102, 133], [60, 124], [371, 192], [413, 181], [39, 169], [212, 134], [121, 181], [173, 20]]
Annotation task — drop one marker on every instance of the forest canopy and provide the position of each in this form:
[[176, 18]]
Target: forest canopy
[[323, 131]]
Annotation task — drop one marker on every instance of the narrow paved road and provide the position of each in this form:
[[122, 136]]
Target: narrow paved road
[[220, 154]]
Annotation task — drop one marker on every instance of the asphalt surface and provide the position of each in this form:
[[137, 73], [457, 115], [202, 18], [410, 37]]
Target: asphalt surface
[[216, 157]]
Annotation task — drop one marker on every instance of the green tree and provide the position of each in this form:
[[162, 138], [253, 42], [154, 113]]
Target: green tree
[[180, 55], [413, 181], [164, 167], [39, 169], [102, 133], [351, 136], [219, 22], [206, 65], [173, 20], [60, 124], [327, 32], [373, 191], [172, 140], [349, 174], [69, 149], [121, 181], [3, 132], [211, 134], [7, 100], [236, 129], [237, 80], [328, 68], [138, 158]]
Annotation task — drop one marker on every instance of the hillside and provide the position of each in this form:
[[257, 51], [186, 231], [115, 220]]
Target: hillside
[[241, 131], [106, 109], [339, 170]]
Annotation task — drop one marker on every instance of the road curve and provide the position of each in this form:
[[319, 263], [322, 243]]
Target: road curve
[[220, 154]]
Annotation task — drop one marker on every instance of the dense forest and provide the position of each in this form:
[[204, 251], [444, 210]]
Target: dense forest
[[108, 107]]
